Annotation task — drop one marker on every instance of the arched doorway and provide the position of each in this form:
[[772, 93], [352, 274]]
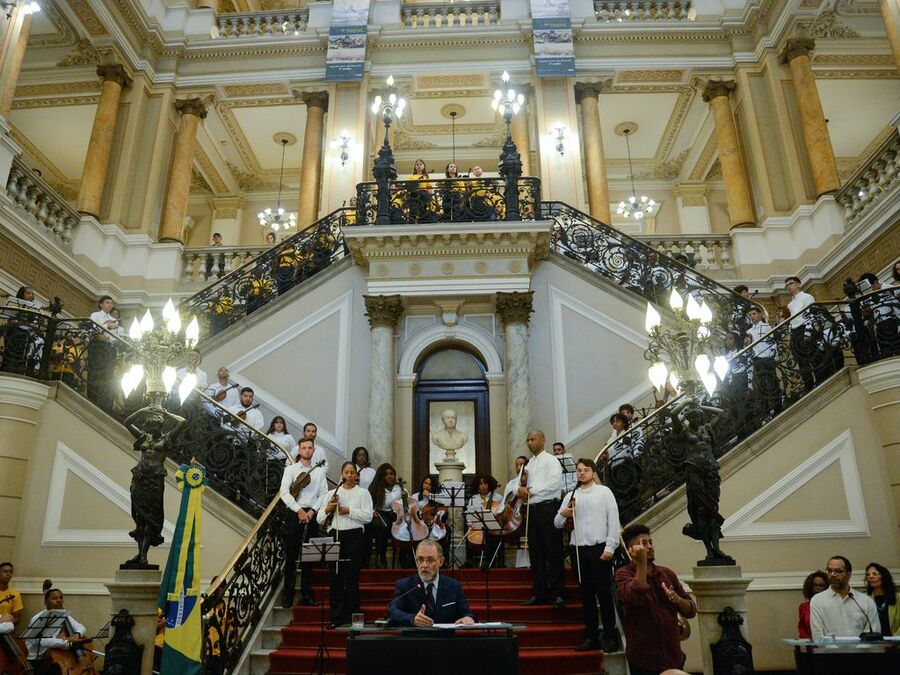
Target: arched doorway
[[451, 378]]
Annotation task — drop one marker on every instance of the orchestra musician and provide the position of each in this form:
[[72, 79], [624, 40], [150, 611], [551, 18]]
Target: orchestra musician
[[509, 493], [10, 599], [301, 523], [433, 514], [591, 511], [68, 637], [247, 411], [223, 391], [345, 512], [545, 548], [478, 542], [360, 459], [384, 491], [311, 431]]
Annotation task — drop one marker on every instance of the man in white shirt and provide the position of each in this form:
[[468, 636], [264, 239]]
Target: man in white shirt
[[37, 647], [840, 610], [765, 377], [102, 356], [301, 524], [595, 536], [800, 333], [569, 479], [247, 411], [311, 431], [231, 390], [545, 548]]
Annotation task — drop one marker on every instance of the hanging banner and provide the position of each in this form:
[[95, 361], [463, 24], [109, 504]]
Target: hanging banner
[[347, 41], [551, 25]]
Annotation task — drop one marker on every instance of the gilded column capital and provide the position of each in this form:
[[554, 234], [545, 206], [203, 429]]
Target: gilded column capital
[[515, 307], [590, 89], [191, 106], [794, 47], [383, 310], [315, 99], [114, 73], [716, 88]]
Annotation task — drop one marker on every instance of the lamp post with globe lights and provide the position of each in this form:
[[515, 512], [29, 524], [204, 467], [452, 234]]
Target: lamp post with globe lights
[[390, 106], [507, 102]]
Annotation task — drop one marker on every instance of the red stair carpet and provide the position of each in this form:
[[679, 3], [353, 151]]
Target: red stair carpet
[[547, 646]]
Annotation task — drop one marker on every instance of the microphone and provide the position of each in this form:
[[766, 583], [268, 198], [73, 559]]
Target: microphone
[[869, 635], [417, 587]]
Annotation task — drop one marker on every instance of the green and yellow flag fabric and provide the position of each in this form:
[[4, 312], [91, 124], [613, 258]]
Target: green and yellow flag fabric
[[179, 594]]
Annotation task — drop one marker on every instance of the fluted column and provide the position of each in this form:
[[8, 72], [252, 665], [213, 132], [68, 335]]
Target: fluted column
[[520, 135], [737, 189], [383, 312], [812, 118], [890, 12], [514, 310], [93, 177], [8, 91], [587, 94], [311, 168], [192, 111]]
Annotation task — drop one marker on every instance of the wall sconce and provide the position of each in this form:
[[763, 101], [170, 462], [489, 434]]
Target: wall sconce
[[342, 143], [559, 133]]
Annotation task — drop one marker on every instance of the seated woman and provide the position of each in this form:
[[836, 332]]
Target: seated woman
[[488, 549], [814, 583], [435, 516]]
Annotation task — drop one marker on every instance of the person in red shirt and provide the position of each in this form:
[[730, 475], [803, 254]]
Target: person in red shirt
[[814, 583], [652, 597]]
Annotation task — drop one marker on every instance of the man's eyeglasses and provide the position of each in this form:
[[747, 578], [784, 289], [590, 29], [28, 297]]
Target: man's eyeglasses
[[430, 561]]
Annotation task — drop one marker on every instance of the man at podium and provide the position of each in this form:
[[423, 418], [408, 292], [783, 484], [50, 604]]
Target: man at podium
[[427, 598]]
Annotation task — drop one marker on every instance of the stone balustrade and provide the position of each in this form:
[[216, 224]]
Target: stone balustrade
[[42, 204], [448, 14], [610, 11], [703, 252], [214, 262], [261, 24], [873, 180]]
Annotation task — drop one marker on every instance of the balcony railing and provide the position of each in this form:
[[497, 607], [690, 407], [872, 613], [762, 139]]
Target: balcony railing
[[704, 253], [448, 200], [41, 203], [873, 181], [609, 11], [262, 24], [449, 14], [654, 457], [214, 262]]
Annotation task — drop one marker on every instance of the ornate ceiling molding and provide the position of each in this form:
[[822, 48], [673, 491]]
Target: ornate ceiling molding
[[650, 76], [88, 19], [826, 25], [66, 34], [209, 172], [58, 88], [703, 161], [251, 90], [55, 102], [853, 60], [84, 53], [857, 74]]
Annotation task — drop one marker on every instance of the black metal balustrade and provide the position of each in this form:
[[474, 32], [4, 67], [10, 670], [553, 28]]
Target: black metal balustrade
[[243, 464], [765, 378], [450, 200], [269, 275]]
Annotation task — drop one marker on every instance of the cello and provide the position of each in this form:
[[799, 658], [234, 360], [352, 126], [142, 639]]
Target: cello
[[511, 518], [78, 659], [14, 656], [407, 528]]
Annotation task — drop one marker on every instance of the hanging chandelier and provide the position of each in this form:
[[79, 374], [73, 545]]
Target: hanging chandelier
[[634, 207], [278, 218]]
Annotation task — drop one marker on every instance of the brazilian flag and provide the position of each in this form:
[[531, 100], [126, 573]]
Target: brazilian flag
[[179, 594]]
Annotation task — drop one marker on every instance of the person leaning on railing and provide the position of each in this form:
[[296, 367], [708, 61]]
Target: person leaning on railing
[[102, 356], [67, 359], [484, 203], [453, 194], [417, 202], [220, 308]]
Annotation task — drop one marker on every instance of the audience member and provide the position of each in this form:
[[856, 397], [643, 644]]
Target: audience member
[[765, 376], [217, 239], [102, 356], [895, 274], [814, 583], [270, 238], [880, 587], [840, 611], [652, 598]]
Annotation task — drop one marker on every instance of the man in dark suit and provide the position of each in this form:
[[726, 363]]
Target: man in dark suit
[[427, 598]]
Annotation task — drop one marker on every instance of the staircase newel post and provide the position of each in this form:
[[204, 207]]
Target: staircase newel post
[[384, 172], [511, 171]]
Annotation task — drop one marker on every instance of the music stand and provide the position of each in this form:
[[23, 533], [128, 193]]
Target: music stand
[[451, 494], [321, 550], [569, 469], [487, 521], [45, 627]]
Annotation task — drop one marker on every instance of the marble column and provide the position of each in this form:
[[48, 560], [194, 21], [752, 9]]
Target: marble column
[[514, 310], [737, 189], [587, 94], [812, 119], [311, 168], [718, 587], [93, 176], [882, 382], [8, 90], [21, 401], [890, 12], [383, 312], [136, 591], [521, 136], [192, 110]]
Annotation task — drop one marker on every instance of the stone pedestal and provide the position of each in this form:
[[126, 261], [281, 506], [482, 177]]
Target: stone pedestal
[[136, 591], [450, 469], [715, 589]]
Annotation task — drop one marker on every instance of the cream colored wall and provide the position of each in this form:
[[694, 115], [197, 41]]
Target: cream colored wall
[[779, 564]]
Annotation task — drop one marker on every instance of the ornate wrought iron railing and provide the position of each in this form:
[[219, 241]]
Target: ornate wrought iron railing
[[449, 14], [638, 266], [262, 24], [648, 461], [34, 196], [272, 274], [448, 200], [873, 180]]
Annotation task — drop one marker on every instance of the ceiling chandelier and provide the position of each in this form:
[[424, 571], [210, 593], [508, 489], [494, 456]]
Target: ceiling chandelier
[[634, 207], [278, 218]]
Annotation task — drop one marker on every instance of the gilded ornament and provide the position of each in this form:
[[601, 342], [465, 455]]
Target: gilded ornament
[[415, 269], [447, 268], [481, 267]]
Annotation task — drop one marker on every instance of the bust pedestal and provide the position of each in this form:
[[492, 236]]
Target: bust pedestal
[[136, 591], [718, 587], [450, 469]]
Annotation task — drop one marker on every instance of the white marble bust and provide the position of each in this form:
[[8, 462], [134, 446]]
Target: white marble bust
[[449, 438]]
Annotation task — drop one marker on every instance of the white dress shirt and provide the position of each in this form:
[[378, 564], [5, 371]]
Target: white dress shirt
[[596, 517], [37, 647], [389, 497], [831, 613], [287, 442], [102, 318], [359, 502], [366, 476], [232, 396], [797, 304], [312, 494], [544, 478], [763, 350], [476, 503], [254, 417]]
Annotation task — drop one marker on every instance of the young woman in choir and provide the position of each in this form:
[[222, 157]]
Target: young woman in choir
[[453, 194], [344, 513], [481, 547], [418, 200], [383, 490], [278, 432]]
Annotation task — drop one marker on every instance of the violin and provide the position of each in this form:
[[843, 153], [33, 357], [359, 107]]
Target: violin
[[434, 516], [242, 414], [303, 480], [14, 656], [329, 518], [220, 396], [408, 528]]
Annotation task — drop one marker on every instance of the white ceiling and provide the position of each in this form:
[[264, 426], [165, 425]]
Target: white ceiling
[[852, 126], [41, 24], [64, 144], [651, 112], [260, 124]]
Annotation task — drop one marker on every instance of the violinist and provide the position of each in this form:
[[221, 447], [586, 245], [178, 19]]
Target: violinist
[[590, 510], [348, 508], [223, 391], [433, 514], [486, 498], [67, 637], [384, 491], [360, 458], [301, 525], [247, 411], [408, 526]]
